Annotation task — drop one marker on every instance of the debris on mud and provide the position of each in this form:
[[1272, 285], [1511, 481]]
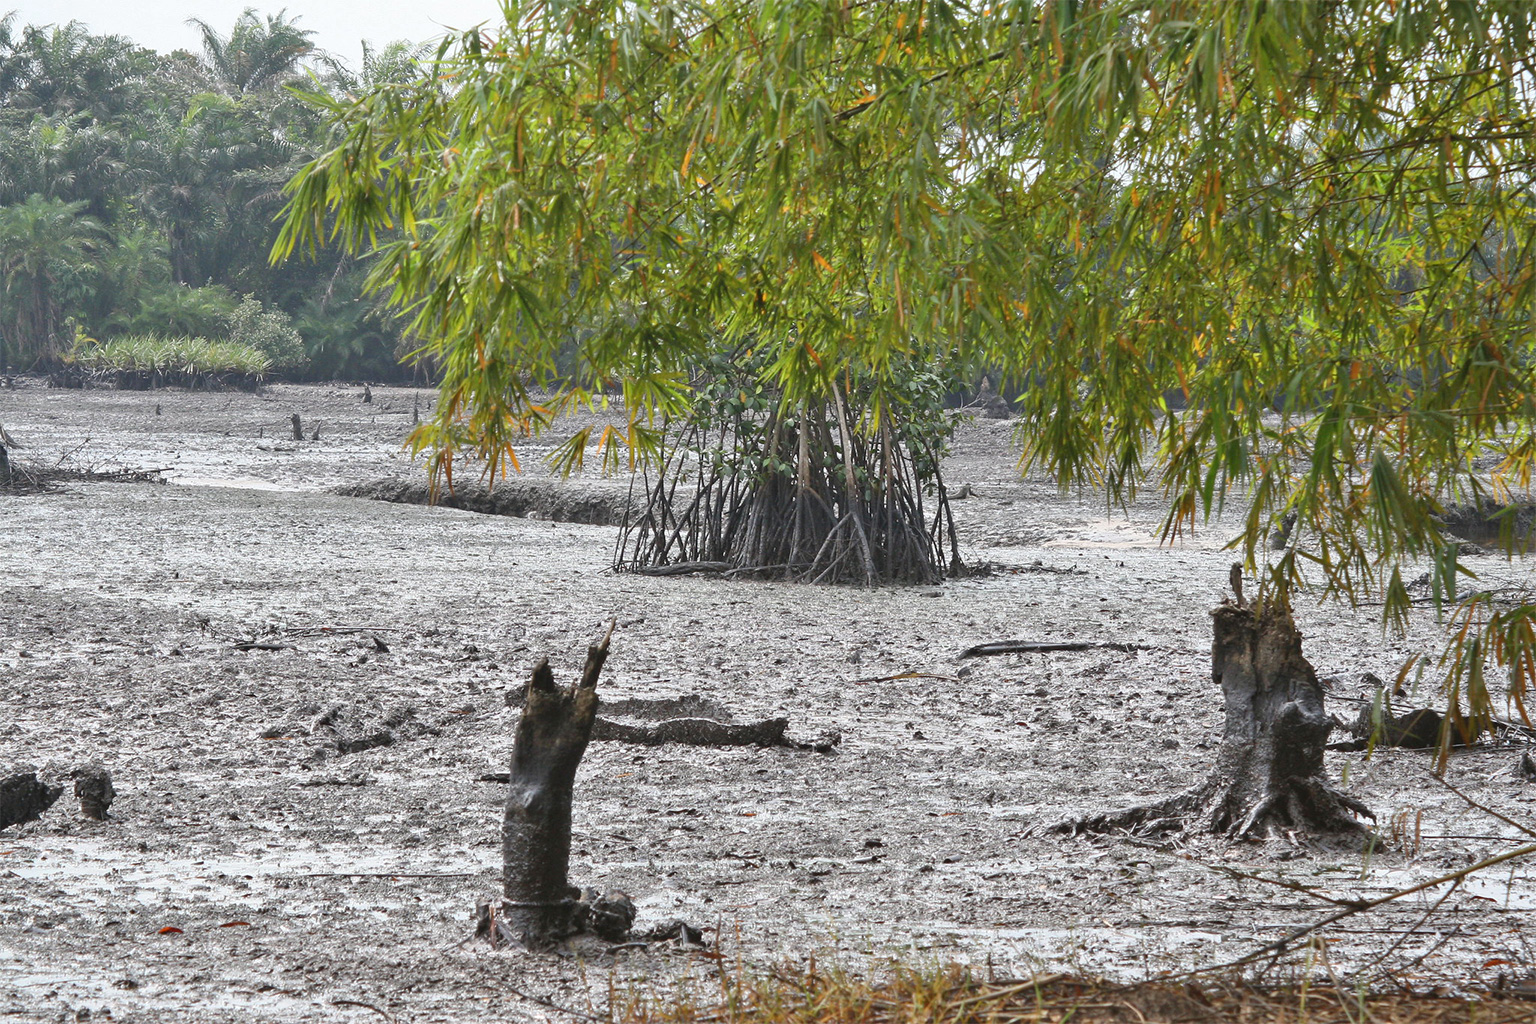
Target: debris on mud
[[24, 798], [1045, 646], [1416, 730], [1510, 527], [703, 732], [560, 501], [352, 729], [689, 720], [93, 787]]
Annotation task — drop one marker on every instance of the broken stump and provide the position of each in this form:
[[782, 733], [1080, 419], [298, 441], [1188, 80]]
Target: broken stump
[[1269, 768], [93, 786], [540, 907]]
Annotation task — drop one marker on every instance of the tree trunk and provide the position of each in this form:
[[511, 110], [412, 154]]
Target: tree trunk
[[1269, 771], [541, 907]]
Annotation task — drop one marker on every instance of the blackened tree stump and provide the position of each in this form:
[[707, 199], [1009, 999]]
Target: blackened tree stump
[[24, 798], [540, 907], [1269, 770]]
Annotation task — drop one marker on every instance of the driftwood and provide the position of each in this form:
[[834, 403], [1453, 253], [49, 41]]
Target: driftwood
[[1416, 730], [540, 908], [1269, 770], [1045, 646], [23, 798], [699, 732]]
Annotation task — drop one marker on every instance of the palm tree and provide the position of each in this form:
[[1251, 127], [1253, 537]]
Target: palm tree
[[64, 69], [48, 251], [256, 56], [396, 63]]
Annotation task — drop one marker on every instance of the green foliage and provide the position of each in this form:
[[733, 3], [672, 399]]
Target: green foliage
[[1313, 219], [48, 258], [346, 335], [256, 55], [269, 331], [174, 167], [175, 309]]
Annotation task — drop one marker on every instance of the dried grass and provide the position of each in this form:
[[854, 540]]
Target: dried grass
[[804, 995]]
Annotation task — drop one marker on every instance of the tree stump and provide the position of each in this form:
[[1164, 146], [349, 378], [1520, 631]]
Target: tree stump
[[540, 907], [1269, 770], [93, 786], [23, 798]]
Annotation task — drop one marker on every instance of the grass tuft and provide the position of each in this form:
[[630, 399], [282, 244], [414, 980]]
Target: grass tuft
[[171, 356]]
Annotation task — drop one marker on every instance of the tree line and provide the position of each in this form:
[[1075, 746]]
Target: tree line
[[139, 191]]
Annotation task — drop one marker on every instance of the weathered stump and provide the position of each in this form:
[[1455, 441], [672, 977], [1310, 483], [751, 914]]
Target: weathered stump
[[1269, 770], [93, 786], [540, 907], [24, 798]]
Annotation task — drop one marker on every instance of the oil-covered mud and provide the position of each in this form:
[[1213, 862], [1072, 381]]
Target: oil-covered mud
[[232, 648]]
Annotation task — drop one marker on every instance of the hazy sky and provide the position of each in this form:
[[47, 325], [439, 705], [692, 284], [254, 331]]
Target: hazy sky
[[339, 25]]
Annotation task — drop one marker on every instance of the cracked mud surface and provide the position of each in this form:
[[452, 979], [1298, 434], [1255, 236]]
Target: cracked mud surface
[[302, 877]]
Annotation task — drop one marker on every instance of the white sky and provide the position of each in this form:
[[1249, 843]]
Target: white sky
[[339, 25]]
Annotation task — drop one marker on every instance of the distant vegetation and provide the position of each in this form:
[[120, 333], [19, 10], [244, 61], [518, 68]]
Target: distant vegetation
[[137, 197], [141, 362]]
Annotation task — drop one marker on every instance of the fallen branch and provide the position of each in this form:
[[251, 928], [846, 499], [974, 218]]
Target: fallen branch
[[1283, 943], [908, 675], [1046, 646], [699, 732], [695, 732]]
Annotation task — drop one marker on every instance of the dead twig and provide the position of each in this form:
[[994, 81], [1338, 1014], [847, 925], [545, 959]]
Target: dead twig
[[1285, 942], [908, 675]]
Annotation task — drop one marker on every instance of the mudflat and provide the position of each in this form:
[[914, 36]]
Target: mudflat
[[232, 644]]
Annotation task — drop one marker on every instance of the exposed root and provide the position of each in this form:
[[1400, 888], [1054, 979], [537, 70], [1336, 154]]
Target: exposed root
[[1269, 776]]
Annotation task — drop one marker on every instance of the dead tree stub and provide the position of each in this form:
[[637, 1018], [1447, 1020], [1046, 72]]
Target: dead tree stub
[[540, 906], [1270, 768]]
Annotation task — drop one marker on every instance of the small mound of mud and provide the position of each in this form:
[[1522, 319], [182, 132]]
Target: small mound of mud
[[351, 729], [1511, 527], [561, 501]]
